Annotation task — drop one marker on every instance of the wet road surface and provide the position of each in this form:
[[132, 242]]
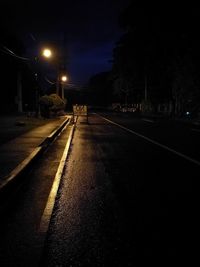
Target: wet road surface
[[124, 200]]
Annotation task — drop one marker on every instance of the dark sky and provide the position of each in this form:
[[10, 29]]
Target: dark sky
[[90, 29]]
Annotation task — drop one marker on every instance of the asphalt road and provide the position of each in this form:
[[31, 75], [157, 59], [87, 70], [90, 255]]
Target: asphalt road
[[129, 195]]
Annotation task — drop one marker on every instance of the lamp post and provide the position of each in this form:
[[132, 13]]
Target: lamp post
[[61, 80], [47, 54]]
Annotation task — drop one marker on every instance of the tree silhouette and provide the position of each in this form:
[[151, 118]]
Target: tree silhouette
[[161, 45]]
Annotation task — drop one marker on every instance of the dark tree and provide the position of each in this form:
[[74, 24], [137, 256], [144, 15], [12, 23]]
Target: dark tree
[[160, 42], [16, 73]]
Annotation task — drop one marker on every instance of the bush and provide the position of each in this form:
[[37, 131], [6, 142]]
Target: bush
[[51, 103], [58, 103]]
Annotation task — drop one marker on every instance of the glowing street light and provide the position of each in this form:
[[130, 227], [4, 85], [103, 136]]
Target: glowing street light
[[63, 78], [47, 53], [61, 81]]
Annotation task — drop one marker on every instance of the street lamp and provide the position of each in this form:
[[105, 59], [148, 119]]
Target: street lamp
[[47, 53], [63, 79]]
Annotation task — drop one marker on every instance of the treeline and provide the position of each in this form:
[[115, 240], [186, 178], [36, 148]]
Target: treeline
[[157, 59], [17, 78]]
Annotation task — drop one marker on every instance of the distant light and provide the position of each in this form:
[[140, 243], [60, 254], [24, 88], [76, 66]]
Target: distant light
[[64, 78], [47, 53], [187, 113]]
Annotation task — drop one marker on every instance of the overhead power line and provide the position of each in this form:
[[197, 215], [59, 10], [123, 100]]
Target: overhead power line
[[46, 79], [9, 52]]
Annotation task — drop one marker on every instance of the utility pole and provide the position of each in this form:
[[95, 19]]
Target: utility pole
[[145, 88], [37, 89], [61, 68], [19, 92]]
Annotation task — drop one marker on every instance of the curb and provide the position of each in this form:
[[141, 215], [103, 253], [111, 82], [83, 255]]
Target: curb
[[52, 136], [13, 177]]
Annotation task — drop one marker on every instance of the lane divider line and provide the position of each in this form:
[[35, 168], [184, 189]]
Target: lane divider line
[[46, 216], [148, 120], [154, 142]]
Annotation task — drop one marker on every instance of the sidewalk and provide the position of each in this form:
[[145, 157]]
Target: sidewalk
[[20, 136]]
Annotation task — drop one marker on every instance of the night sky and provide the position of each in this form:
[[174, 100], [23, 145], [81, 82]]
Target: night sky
[[87, 29]]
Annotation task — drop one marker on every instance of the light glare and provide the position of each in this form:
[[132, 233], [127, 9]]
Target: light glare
[[64, 78], [47, 53]]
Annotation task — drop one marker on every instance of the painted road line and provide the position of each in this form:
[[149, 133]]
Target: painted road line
[[154, 142], [148, 120], [45, 219]]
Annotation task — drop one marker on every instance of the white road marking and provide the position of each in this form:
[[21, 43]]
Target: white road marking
[[148, 120], [45, 219], [154, 142]]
